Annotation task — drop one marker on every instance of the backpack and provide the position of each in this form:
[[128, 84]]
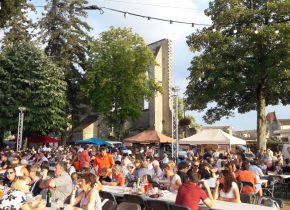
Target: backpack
[[264, 201]]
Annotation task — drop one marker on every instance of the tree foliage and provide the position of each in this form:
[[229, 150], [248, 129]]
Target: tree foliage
[[65, 34], [29, 78], [244, 64], [20, 28], [10, 9], [116, 78]]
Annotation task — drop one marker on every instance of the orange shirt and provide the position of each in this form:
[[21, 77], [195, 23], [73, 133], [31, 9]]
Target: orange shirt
[[120, 179], [247, 176], [104, 162]]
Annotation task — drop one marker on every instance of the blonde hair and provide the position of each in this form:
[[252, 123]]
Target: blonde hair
[[170, 166], [21, 183]]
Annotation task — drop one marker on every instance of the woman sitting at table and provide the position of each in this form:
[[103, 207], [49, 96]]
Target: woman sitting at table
[[15, 198], [227, 188], [174, 180], [89, 198]]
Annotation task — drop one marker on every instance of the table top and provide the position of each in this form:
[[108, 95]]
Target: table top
[[170, 198]]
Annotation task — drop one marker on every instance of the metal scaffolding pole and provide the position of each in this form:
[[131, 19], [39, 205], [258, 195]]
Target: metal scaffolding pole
[[20, 127], [174, 120]]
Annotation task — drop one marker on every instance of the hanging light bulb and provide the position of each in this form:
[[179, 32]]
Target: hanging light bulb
[[149, 18], [276, 31], [125, 14], [0, 6], [192, 25], [270, 20], [213, 30], [256, 31], [170, 21], [22, 10]]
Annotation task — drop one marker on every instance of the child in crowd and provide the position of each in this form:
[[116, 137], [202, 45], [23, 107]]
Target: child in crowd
[[105, 177]]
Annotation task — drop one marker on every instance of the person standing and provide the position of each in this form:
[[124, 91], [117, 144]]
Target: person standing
[[84, 158], [103, 160]]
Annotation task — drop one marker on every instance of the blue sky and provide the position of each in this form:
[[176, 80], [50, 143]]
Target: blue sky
[[152, 30]]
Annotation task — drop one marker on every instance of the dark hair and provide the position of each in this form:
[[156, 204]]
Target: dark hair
[[245, 165], [182, 165], [45, 165], [228, 180], [10, 167], [103, 149], [205, 174], [287, 161], [89, 178], [193, 176]]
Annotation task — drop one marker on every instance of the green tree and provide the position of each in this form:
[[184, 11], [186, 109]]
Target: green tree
[[29, 78], [244, 63], [65, 32], [116, 78], [20, 28], [9, 9]]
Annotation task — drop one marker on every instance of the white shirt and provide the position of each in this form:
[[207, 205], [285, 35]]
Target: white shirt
[[258, 172], [229, 194], [173, 180]]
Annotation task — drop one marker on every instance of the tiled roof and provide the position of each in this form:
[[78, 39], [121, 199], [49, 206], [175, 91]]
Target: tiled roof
[[284, 121], [86, 122]]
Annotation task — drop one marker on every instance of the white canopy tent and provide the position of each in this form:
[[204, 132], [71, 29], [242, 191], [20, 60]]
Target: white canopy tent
[[212, 136]]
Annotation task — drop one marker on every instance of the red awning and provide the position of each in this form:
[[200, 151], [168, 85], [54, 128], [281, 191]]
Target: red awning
[[42, 139]]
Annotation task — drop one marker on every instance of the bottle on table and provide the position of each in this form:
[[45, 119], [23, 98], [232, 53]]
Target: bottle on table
[[48, 197], [145, 184]]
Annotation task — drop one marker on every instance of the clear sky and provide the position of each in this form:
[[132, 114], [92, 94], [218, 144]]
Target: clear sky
[[152, 30]]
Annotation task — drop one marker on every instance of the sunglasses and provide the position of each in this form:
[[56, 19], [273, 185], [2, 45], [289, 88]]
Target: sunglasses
[[196, 165], [10, 172]]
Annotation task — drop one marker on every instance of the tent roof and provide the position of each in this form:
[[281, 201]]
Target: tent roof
[[42, 139], [94, 141], [212, 136], [148, 136]]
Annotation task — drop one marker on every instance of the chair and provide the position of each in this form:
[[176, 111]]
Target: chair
[[108, 205], [270, 189], [271, 202], [107, 195], [129, 198], [247, 198], [157, 205], [126, 206], [109, 201], [177, 207]]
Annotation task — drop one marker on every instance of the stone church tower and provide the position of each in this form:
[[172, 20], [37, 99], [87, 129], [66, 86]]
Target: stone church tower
[[160, 106], [157, 116]]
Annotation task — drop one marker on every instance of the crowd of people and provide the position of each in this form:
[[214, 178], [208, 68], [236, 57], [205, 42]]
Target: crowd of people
[[76, 174]]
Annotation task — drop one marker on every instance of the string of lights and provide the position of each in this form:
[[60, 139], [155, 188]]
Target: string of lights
[[125, 13], [156, 5]]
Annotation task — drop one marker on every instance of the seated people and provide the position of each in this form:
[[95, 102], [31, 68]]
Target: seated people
[[227, 188], [105, 176], [118, 178], [245, 175], [88, 198], [34, 174], [61, 185], [15, 198], [10, 176], [189, 194], [174, 180], [182, 170]]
